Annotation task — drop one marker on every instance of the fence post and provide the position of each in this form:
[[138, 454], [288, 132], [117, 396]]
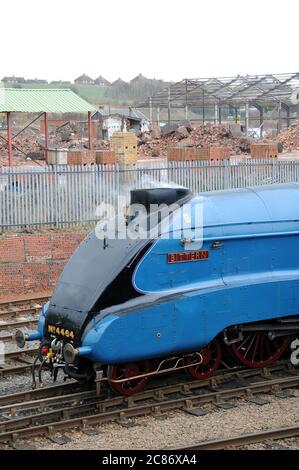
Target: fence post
[[55, 200], [117, 188], [226, 180], [273, 171]]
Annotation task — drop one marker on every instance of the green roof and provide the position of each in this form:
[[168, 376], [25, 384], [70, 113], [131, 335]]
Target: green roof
[[39, 101]]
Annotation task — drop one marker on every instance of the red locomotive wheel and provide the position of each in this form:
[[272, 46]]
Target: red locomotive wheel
[[125, 371], [258, 350], [211, 356]]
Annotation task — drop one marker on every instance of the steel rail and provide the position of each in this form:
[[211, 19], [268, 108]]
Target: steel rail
[[244, 439], [187, 387], [5, 303], [21, 352], [18, 324], [6, 338], [20, 312], [11, 402], [17, 368], [157, 403], [11, 370]]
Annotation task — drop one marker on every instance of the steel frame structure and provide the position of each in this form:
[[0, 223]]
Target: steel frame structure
[[10, 137], [258, 91], [41, 103]]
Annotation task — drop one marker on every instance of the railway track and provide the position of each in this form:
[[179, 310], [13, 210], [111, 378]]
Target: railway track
[[24, 300], [17, 310], [53, 409], [21, 353], [17, 314], [244, 439], [21, 362], [220, 377], [41, 415], [7, 326], [33, 396], [7, 338]]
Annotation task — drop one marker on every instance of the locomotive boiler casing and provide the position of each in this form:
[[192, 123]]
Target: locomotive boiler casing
[[141, 299]]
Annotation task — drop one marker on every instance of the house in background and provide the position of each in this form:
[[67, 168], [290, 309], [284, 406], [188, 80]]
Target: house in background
[[119, 82], [84, 80], [36, 81], [21, 80], [13, 80], [61, 83], [101, 81]]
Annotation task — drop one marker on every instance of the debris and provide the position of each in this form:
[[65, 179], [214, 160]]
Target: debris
[[169, 129], [155, 131], [199, 136], [289, 139], [36, 155], [145, 138], [156, 151], [181, 133], [186, 124], [73, 136], [235, 130]]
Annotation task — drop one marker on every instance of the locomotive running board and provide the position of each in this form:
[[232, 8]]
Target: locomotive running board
[[158, 371]]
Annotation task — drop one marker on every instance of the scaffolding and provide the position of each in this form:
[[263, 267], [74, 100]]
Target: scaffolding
[[260, 98]]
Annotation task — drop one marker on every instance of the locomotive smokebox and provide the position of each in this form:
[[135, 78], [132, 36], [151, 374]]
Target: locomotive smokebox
[[158, 196]]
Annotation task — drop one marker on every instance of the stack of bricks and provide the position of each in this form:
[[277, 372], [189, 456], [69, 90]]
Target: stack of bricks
[[33, 262], [192, 153], [105, 157], [124, 144], [264, 150], [81, 157]]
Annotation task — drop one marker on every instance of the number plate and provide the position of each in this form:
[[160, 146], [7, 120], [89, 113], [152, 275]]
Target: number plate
[[56, 330], [185, 256]]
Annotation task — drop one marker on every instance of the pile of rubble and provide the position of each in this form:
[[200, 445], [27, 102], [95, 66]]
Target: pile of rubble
[[26, 144], [29, 146], [289, 139], [156, 142]]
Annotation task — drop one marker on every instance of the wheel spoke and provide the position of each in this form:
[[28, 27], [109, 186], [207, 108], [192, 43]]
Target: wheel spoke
[[244, 342], [250, 345], [256, 345], [257, 350]]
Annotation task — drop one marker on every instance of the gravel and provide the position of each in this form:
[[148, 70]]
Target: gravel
[[178, 428]]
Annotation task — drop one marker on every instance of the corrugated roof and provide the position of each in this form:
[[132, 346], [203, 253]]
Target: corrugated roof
[[127, 112], [38, 101]]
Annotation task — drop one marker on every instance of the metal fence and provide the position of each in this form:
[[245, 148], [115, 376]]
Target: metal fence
[[65, 196]]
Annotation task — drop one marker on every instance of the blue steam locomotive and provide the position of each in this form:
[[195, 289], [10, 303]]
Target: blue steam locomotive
[[126, 309]]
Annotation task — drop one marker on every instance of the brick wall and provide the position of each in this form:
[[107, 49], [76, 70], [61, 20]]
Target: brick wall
[[33, 262]]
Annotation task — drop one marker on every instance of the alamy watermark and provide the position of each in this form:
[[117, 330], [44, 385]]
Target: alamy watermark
[[137, 221], [295, 352]]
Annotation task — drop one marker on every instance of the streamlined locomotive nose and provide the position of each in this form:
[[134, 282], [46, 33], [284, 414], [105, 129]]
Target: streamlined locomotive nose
[[96, 264]]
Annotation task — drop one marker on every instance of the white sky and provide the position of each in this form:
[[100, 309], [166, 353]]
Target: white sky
[[169, 39]]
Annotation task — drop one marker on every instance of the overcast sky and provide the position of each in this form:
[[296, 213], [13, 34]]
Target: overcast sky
[[169, 39]]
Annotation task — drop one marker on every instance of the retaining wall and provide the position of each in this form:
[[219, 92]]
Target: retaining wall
[[32, 262]]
